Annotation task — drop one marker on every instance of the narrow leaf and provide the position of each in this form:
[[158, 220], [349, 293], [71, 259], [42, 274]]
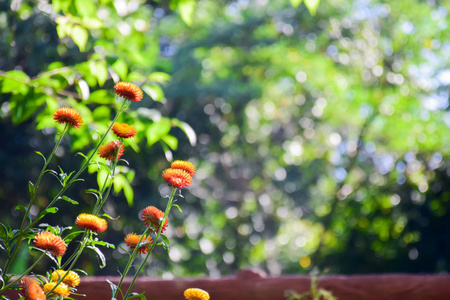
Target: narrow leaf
[[100, 255], [65, 198]]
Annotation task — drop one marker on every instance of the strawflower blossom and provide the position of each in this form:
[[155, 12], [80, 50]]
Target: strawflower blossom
[[124, 131], [32, 289], [196, 294], [46, 240], [177, 178], [67, 115], [128, 91], [92, 222], [111, 150], [151, 216], [62, 289], [72, 279], [184, 165], [132, 240]]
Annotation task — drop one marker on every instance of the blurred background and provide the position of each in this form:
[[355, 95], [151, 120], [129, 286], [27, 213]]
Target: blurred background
[[320, 129]]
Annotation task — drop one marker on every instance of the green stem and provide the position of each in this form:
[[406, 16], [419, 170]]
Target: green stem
[[86, 164], [78, 253], [102, 198], [25, 273], [166, 213], [22, 225]]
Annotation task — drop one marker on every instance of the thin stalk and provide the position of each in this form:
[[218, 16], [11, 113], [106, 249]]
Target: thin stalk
[[102, 197], [83, 245], [25, 273], [130, 261], [22, 225], [166, 213], [85, 165], [79, 249]]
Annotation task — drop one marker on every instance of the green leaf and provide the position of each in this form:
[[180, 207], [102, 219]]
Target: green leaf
[[179, 208], [15, 82], [312, 6], [61, 5], [159, 77], [100, 255], [51, 210], [187, 129], [31, 189], [100, 71], [136, 295], [65, 198], [113, 288], [295, 3], [154, 91], [121, 68], [171, 141], [42, 155], [186, 9], [157, 131], [79, 36], [85, 8]]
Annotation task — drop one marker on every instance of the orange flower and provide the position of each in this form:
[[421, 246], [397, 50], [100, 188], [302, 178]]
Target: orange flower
[[94, 223], [124, 130], [128, 91], [184, 165], [46, 240], [62, 289], [111, 150], [151, 216], [196, 294], [72, 279], [132, 240], [177, 178], [67, 115], [32, 289]]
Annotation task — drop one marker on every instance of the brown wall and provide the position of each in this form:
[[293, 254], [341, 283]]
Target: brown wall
[[248, 285]]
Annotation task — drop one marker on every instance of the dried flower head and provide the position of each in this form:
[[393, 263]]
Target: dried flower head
[[132, 240], [62, 289], [111, 150], [177, 178], [196, 294], [67, 115], [72, 279], [92, 222], [128, 91], [46, 240], [32, 289], [151, 216], [124, 131], [184, 165]]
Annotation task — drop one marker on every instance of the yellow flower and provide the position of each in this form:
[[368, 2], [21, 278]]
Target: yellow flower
[[132, 240], [92, 222], [124, 131], [184, 165], [62, 289], [72, 279], [196, 294]]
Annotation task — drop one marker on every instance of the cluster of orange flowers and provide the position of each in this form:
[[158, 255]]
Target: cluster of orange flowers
[[179, 175]]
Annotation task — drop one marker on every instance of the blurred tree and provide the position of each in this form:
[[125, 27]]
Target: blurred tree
[[322, 139]]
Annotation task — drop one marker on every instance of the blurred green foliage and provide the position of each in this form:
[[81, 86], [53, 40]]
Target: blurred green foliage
[[321, 131]]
